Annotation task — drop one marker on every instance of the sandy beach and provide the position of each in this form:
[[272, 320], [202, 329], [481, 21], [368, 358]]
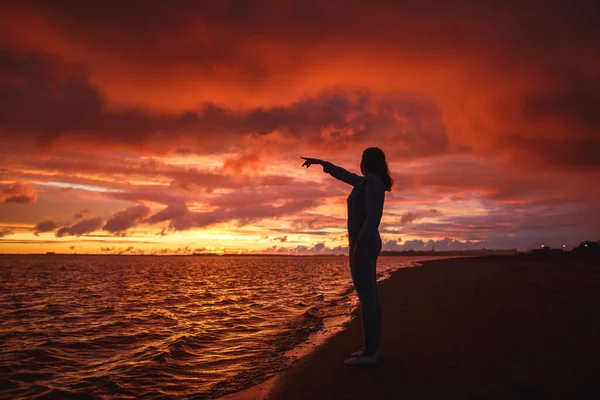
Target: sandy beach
[[480, 328]]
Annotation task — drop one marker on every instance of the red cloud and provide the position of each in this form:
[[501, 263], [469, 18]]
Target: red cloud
[[18, 192], [43, 104], [516, 97], [244, 162], [536, 76]]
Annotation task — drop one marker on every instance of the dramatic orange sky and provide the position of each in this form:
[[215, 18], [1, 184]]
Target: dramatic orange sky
[[177, 127]]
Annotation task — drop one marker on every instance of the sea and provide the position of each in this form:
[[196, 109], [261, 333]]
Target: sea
[[160, 327]]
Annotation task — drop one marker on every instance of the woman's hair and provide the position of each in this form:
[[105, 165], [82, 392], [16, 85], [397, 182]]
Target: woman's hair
[[373, 160]]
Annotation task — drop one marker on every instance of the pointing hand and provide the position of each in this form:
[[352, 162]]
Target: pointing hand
[[310, 161]]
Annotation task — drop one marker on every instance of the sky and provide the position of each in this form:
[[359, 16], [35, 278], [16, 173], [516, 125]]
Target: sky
[[153, 127]]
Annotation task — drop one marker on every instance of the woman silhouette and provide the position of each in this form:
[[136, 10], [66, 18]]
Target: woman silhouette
[[365, 208]]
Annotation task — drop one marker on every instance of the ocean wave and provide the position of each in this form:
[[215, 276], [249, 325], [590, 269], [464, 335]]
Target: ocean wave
[[98, 327]]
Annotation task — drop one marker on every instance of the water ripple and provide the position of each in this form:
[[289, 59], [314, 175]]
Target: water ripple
[[160, 327]]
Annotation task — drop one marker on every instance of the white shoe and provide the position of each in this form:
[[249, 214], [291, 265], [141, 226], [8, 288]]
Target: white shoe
[[359, 359], [357, 352]]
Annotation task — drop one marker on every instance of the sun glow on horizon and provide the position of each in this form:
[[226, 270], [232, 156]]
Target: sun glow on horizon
[[154, 149]]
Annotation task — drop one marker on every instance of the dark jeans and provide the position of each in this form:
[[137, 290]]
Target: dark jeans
[[364, 277]]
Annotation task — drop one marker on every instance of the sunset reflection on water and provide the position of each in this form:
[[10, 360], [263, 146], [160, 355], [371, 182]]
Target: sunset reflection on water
[[161, 326]]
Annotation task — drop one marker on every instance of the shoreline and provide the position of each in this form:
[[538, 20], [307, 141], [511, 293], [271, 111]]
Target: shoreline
[[498, 327], [319, 338], [331, 327]]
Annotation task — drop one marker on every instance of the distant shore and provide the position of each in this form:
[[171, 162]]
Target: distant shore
[[496, 327]]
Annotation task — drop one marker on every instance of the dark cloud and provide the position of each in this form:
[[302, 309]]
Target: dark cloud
[[546, 66], [317, 222], [244, 206], [6, 231], [128, 218], [575, 102], [575, 152], [492, 179], [559, 124], [81, 228], [66, 108], [48, 101], [129, 249], [19, 192], [45, 226], [181, 218], [137, 27], [445, 244], [318, 248], [409, 217], [391, 245], [171, 212]]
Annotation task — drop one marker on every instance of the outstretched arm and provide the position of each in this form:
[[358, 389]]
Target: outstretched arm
[[341, 174], [335, 171], [374, 198]]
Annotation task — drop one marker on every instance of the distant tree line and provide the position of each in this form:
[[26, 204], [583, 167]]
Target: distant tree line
[[588, 247]]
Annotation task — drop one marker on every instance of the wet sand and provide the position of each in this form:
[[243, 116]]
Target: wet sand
[[478, 328]]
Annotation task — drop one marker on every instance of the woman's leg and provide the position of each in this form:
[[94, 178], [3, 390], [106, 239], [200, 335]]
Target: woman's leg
[[377, 325], [365, 282]]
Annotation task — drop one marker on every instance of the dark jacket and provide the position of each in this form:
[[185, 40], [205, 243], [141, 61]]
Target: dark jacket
[[365, 204]]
